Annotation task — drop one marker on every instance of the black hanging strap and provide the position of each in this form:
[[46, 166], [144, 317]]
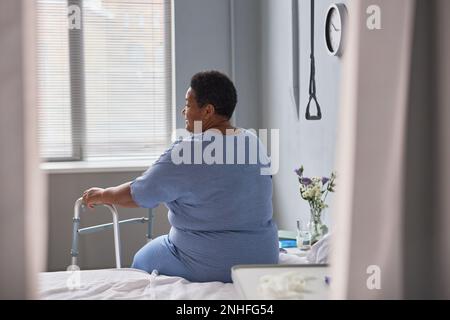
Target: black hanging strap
[[312, 79]]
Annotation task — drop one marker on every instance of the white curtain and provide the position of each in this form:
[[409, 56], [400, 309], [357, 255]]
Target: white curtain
[[22, 197], [391, 239]]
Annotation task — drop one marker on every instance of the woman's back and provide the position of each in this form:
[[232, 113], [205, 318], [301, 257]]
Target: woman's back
[[220, 202]]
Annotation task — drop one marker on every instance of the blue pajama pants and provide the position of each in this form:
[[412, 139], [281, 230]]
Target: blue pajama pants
[[161, 254]]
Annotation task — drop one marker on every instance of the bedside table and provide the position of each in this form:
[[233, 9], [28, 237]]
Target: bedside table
[[247, 279]]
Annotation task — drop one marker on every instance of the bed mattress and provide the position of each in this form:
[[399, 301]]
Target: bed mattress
[[134, 284]]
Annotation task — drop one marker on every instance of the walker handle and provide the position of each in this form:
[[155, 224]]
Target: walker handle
[[79, 206]]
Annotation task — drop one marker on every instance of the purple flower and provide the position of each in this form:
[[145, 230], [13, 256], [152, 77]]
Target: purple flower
[[325, 180], [305, 181], [299, 172]]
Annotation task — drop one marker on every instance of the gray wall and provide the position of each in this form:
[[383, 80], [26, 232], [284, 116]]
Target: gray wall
[[247, 61], [96, 250], [260, 63], [203, 41], [301, 142]]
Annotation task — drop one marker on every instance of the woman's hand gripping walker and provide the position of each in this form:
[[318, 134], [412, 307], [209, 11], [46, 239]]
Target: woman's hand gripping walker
[[80, 207]]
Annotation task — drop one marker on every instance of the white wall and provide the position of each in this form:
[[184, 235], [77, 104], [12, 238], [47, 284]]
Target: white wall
[[304, 142]]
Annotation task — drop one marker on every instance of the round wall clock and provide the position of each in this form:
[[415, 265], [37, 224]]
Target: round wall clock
[[335, 28]]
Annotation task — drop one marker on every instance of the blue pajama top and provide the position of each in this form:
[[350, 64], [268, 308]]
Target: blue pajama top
[[220, 212]]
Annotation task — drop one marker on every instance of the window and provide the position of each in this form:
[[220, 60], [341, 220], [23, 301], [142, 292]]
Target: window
[[104, 89]]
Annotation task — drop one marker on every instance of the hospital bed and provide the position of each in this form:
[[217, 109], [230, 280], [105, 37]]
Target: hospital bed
[[128, 283]]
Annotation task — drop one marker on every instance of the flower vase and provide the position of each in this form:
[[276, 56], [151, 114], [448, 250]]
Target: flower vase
[[317, 228]]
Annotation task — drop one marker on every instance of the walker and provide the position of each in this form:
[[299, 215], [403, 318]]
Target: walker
[[80, 207]]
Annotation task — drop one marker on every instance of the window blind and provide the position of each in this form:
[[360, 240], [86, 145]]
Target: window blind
[[53, 86], [120, 63]]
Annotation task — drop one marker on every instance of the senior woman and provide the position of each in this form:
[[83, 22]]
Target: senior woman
[[220, 213]]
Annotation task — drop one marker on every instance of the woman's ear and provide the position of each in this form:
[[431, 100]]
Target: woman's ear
[[209, 111]]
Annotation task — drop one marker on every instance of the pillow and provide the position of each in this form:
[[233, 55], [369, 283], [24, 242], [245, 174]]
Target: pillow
[[292, 259], [319, 251]]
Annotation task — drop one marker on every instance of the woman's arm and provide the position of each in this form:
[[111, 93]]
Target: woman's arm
[[120, 195]]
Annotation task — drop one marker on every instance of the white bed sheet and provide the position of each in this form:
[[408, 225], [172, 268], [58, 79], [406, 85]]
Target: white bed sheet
[[135, 284]]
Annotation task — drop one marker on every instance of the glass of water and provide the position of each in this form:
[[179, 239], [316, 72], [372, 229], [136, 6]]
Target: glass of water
[[303, 236]]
